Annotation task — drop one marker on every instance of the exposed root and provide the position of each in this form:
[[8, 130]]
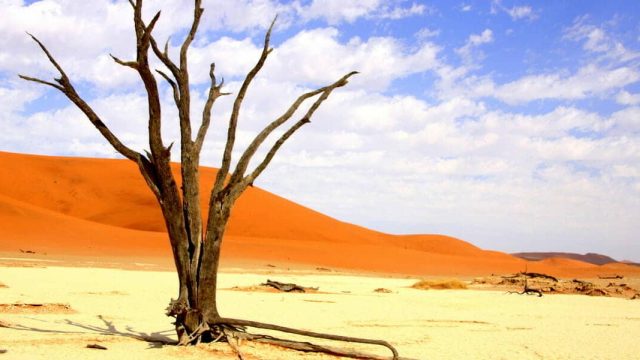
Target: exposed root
[[309, 347], [301, 346], [233, 332], [233, 339]]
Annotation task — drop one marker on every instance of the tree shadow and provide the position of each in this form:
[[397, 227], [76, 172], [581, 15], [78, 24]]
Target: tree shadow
[[156, 340]]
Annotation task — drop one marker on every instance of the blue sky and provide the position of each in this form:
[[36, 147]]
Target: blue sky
[[514, 125]]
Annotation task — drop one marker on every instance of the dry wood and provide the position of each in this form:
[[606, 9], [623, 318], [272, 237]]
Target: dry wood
[[309, 347], [196, 242], [539, 275], [527, 290], [287, 287], [611, 277], [261, 325]]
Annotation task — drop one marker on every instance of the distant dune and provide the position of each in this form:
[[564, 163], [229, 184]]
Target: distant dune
[[102, 208], [592, 258]]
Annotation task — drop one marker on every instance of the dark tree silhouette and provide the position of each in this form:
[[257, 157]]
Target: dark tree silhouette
[[196, 242]]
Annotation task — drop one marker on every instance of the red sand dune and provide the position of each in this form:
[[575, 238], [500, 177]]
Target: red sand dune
[[102, 208]]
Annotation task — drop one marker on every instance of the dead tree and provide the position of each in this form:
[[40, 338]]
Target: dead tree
[[527, 290], [195, 241]]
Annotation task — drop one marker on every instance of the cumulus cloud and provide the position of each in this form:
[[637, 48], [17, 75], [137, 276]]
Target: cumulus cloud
[[627, 98], [459, 163], [337, 11], [589, 80], [379, 59], [597, 40]]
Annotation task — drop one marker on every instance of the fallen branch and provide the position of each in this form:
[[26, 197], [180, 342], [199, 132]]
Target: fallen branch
[[287, 287], [527, 290], [611, 277], [539, 275]]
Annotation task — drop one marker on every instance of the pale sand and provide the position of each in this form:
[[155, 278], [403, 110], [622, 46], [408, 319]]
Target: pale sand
[[431, 324]]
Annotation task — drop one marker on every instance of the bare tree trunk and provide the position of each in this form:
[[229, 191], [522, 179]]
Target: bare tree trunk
[[196, 252]]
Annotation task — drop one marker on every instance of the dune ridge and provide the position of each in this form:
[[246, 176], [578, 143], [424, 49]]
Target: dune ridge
[[101, 207]]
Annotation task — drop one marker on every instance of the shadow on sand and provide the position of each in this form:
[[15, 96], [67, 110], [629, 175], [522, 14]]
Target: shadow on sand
[[156, 340]]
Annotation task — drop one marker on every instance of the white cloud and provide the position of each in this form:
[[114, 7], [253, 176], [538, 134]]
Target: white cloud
[[516, 12], [474, 41], [589, 80], [457, 164], [398, 12], [627, 98], [483, 38], [521, 12], [346, 140], [597, 40], [14, 99], [379, 59], [337, 11], [426, 33]]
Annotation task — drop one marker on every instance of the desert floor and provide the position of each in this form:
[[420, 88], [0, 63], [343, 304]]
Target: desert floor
[[123, 310]]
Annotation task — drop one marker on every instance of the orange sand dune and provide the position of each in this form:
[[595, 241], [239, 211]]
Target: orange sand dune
[[101, 207]]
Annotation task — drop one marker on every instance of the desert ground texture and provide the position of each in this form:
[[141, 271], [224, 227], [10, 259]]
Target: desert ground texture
[[122, 310], [85, 260]]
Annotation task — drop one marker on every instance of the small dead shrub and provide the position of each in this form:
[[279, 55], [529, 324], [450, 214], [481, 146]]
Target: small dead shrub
[[439, 284], [383, 291]]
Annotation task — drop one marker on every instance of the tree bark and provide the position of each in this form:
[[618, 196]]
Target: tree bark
[[196, 248]]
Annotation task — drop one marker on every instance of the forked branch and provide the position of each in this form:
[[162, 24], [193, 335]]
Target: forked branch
[[215, 91], [245, 159], [235, 112], [64, 85]]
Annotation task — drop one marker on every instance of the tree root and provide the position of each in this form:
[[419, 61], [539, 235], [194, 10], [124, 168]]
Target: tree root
[[233, 331], [284, 329]]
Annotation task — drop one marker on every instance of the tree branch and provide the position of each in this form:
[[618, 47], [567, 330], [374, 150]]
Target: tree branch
[[143, 40], [236, 188], [29, 78], [243, 163], [176, 92], [164, 57], [235, 113], [197, 14], [67, 89], [63, 76], [215, 91], [131, 64]]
